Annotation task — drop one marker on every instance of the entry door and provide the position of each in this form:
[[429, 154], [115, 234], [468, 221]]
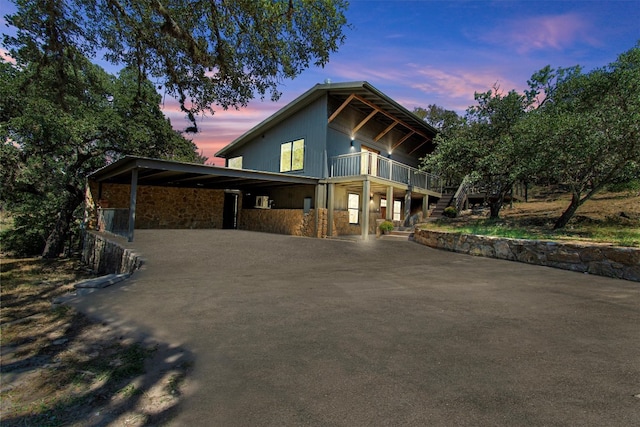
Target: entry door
[[230, 212]]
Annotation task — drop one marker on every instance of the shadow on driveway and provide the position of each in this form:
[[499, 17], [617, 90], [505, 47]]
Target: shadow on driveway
[[297, 331]]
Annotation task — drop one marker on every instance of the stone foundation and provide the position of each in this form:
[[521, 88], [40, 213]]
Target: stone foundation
[[293, 222], [342, 227], [106, 255], [610, 261]]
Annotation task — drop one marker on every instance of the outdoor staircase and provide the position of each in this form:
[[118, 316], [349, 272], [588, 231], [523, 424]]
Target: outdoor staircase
[[444, 201], [399, 233]]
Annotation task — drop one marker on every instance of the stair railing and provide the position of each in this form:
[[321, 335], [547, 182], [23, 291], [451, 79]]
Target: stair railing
[[461, 194]]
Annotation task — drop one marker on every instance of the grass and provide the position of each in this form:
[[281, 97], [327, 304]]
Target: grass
[[608, 218], [60, 367]]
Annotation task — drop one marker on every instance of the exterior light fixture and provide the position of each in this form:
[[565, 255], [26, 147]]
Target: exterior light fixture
[[352, 142]]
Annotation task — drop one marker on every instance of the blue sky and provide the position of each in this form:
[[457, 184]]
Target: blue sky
[[425, 52]]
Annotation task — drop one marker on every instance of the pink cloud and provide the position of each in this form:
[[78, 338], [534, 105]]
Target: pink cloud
[[460, 83], [4, 54], [215, 132], [451, 86], [545, 32]]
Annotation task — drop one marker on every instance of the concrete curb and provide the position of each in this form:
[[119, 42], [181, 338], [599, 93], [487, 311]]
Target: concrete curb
[[88, 286]]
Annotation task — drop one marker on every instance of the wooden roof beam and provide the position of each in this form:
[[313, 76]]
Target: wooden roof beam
[[374, 106], [386, 131], [341, 107], [363, 122], [403, 139], [415, 149]]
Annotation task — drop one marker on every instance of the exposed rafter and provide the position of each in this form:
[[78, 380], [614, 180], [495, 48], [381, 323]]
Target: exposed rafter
[[376, 110], [341, 107], [386, 131], [375, 107], [403, 139], [364, 122], [415, 149]]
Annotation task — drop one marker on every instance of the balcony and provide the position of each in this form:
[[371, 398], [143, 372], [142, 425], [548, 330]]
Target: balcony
[[367, 163]]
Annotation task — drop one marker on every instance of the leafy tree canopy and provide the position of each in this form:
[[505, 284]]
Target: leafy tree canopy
[[586, 132], [204, 52], [482, 147], [574, 128], [61, 116], [438, 117]]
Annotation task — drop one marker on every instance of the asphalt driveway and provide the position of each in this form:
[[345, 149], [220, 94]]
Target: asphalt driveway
[[297, 331]]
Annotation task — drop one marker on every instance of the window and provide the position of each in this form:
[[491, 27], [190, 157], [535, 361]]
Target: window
[[235, 162], [354, 206], [292, 156], [397, 210]]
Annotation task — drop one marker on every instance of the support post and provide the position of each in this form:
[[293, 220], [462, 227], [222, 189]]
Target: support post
[[389, 213], [407, 207], [320, 202], [425, 206], [366, 190], [132, 202], [330, 204]]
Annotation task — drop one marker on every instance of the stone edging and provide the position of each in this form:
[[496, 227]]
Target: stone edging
[[610, 261], [107, 255]]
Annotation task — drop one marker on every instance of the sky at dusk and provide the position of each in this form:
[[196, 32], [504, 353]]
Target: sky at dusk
[[425, 52]]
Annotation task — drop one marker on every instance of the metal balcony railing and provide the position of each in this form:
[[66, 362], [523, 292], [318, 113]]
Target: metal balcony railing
[[366, 163]]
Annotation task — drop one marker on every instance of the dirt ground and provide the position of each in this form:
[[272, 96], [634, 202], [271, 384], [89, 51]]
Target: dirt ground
[[609, 217], [61, 368]]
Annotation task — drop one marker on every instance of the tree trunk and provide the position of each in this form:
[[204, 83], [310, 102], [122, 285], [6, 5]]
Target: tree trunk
[[568, 213], [494, 208], [55, 241], [495, 204]]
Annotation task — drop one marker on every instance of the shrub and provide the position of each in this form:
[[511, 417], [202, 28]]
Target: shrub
[[630, 186], [450, 212], [386, 226]]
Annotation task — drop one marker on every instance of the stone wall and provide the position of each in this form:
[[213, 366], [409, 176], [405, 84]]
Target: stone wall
[[161, 207], [292, 222], [106, 255], [342, 227], [603, 260]]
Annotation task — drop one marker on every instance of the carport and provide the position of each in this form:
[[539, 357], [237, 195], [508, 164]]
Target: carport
[[138, 171]]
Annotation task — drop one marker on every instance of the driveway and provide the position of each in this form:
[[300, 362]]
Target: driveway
[[296, 331]]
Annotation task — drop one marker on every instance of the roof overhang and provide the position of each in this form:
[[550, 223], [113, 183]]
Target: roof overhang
[[168, 173], [360, 95]]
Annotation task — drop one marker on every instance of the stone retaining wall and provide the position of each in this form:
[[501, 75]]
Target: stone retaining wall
[[603, 260], [105, 255]]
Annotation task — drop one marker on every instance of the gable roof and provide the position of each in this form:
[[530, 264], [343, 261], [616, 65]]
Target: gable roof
[[357, 93]]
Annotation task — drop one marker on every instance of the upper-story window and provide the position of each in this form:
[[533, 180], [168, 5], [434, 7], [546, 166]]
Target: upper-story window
[[292, 156], [235, 162]]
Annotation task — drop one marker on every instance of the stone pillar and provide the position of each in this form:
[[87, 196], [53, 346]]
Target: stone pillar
[[366, 190], [133, 192], [389, 215], [330, 203]]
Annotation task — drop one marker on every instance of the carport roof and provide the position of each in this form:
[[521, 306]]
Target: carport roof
[[169, 173]]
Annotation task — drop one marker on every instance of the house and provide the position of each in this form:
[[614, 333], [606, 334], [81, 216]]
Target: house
[[337, 160]]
